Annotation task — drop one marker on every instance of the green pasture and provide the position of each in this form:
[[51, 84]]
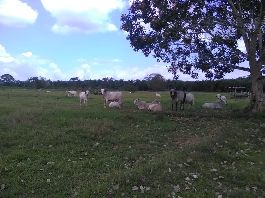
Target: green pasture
[[52, 147]]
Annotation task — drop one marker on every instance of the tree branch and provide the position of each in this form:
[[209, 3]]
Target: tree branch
[[242, 68], [238, 16], [260, 34], [236, 67], [260, 18], [258, 29]]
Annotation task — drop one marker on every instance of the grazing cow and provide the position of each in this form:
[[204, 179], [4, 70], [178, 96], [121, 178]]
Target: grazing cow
[[177, 97], [189, 99], [71, 93], [111, 96], [83, 97]]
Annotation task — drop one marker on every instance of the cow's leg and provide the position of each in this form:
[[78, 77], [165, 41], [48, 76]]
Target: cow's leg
[[105, 101], [120, 102]]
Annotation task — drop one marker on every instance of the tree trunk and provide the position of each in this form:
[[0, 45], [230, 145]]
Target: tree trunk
[[257, 103], [257, 96]]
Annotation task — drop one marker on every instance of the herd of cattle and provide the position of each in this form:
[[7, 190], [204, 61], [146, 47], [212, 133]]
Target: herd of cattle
[[113, 99]]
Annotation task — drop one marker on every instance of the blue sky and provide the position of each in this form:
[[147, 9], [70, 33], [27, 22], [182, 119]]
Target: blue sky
[[72, 38]]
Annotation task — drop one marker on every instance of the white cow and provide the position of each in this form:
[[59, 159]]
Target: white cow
[[189, 99], [214, 105], [71, 93], [158, 95], [114, 104], [142, 105], [221, 98], [156, 107], [83, 97], [111, 96]]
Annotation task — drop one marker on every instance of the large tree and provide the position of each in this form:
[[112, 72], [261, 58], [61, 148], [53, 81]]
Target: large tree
[[202, 35], [7, 79], [156, 82], [39, 82]]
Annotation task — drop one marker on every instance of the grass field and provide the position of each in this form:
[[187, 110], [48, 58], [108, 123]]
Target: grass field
[[50, 147]]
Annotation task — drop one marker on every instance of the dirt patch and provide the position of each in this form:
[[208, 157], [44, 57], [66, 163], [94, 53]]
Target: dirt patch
[[190, 141]]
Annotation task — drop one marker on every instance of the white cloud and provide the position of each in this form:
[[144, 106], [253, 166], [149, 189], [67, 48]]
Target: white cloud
[[27, 54], [27, 65], [4, 56], [63, 29], [116, 68], [55, 72], [16, 13], [137, 72], [111, 27], [83, 72], [238, 73], [82, 15], [116, 60]]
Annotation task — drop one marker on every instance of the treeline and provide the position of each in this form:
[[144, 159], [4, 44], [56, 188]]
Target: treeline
[[153, 82]]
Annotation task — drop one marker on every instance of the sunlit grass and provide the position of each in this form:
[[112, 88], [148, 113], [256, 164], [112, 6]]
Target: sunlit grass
[[52, 147]]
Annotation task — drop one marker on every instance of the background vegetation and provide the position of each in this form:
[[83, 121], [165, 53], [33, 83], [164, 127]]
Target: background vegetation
[[152, 82]]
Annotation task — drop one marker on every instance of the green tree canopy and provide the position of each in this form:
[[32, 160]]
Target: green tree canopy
[[7, 79], [155, 82], [202, 35], [74, 79], [38, 82]]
